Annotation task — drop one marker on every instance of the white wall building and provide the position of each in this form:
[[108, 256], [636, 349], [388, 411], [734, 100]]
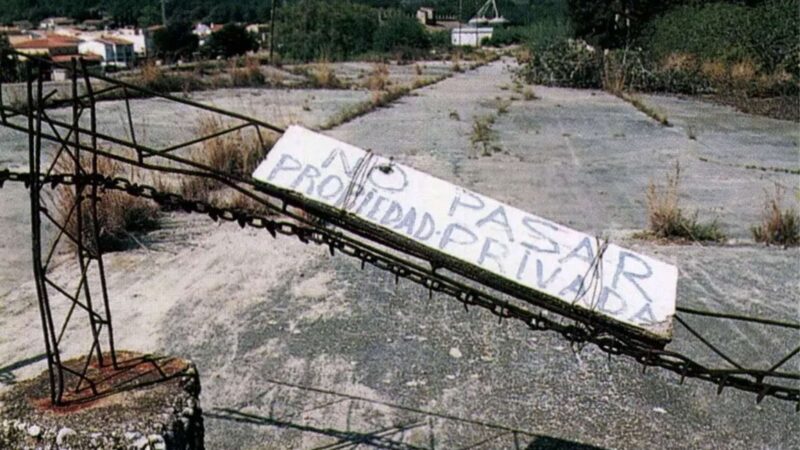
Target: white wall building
[[470, 35], [113, 51], [141, 39]]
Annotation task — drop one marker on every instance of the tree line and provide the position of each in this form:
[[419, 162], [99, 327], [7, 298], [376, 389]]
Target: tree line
[[148, 12]]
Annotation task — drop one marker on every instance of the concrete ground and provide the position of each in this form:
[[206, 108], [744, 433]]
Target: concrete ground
[[300, 350]]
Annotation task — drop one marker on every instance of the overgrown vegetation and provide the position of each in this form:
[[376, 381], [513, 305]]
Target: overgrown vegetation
[[483, 137], [651, 112], [311, 30], [236, 153], [666, 219], [231, 40], [248, 76], [779, 226], [120, 216], [743, 53], [175, 41]]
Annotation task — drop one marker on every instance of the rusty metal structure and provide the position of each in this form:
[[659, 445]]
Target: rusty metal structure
[[67, 145]]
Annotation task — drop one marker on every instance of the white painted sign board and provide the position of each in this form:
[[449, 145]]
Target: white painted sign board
[[566, 265]]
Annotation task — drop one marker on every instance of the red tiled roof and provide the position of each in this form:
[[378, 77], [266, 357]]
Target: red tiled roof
[[85, 56], [114, 40], [47, 43]]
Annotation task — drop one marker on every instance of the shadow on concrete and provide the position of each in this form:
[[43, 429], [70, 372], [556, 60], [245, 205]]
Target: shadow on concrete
[[550, 443], [6, 372], [489, 435]]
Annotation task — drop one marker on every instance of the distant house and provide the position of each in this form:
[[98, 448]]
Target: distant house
[[260, 31], [51, 23], [54, 46], [59, 49], [113, 51], [23, 24], [470, 36], [202, 30], [14, 39], [426, 16], [142, 39], [94, 24]]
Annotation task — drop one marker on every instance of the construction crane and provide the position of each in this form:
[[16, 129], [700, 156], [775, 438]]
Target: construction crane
[[489, 7]]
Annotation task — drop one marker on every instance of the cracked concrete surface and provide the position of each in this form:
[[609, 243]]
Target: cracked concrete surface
[[298, 350]]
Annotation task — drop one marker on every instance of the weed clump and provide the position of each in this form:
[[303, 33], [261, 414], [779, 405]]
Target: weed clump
[[154, 78], [668, 221], [778, 226], [248, 76], [236, 153], [323, 76], [483, 135], [120, 216], [378, 79]]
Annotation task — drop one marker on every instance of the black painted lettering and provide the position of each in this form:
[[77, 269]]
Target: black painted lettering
[[286, 163], [498, 217], [605, 305], [393, 181], [644, 271], [426, 228], [583, 251], [551, 245], [323, 189], [408, 222], [393, 214], [644, 316], [475, 204], [309, 173], [365, 202], [376, 207], [348, 169], [576, 288], [487, 252], [457, 234], [540, 281]]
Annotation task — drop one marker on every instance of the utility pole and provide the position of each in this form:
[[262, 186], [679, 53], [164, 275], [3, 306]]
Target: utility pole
[[272, 33], [163, 13], [459, 21]]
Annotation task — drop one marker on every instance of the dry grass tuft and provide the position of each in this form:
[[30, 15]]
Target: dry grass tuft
[[154, 78], [483, 135], [323, 76], [639, 104], [120, 216], [236, 153], [667, 220], [378, 79], [778, 226], [503, 106], [528, 94], [248, 76]]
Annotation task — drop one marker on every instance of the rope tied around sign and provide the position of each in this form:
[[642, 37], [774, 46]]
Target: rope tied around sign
[[355, 187]]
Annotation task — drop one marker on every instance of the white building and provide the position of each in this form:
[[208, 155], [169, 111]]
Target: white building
[[470, 36], [113, 51], [141, 39]]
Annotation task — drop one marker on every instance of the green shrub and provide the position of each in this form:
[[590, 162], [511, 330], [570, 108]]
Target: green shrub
[[441, 39], [310, 30], [767, 34], [570, 62], [231, 40], [401, 33]]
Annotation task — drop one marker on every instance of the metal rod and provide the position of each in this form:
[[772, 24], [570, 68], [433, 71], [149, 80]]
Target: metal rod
[[96, 225]]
